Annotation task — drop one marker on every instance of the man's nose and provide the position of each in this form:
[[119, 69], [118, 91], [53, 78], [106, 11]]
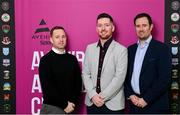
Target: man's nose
[[141, 28], [103, 27], [61, 39]]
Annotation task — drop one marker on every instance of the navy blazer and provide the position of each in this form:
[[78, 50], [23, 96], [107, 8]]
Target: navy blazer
[[155, 76]]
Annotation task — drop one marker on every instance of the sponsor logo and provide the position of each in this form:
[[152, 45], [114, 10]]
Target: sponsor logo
[[5, 6], [5, 17], [6, 40], [174, 28], [7, 108], [174, 40], [175, 5], [175, 96], [6, 62], [175, 61], [175, 17], [7, 86], [174, 50], [6, 97], [41, 34], [174, 86], [5, 28], [6, 74], [174, 107], [42, 29], [6, 51], [175, 73]]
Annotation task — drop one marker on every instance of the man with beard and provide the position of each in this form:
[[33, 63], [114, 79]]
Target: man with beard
[[149, 71], [104, 70]]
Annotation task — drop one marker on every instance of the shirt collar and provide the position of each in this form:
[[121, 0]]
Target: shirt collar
[[147, 41], [57, 51], [106, 44]]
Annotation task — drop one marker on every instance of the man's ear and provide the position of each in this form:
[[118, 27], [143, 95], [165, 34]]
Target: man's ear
[[113, 27], [96, 29], [151, 27], [51, 40]]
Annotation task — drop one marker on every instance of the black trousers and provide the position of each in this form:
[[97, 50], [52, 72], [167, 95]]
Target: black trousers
[[147, 110], [102, 110]]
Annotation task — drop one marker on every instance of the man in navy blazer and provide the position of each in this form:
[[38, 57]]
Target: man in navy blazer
[[149, 71]]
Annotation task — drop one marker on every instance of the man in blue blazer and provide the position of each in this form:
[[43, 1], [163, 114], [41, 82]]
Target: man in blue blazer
[[149, 71]]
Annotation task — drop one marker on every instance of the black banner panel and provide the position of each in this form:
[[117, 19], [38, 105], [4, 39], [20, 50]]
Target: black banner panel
[[172, 38], [7, 58]]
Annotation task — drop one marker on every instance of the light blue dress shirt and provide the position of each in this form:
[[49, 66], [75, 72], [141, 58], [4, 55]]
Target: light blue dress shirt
[[139, 57]]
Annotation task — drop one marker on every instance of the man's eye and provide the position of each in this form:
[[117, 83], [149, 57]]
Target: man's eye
[[99, 25]]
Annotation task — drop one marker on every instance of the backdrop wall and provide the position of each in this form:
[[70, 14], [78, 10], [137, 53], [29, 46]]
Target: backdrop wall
[[34, 19]]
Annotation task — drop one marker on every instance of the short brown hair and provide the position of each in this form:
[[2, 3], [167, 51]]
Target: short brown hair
[[55, 28]]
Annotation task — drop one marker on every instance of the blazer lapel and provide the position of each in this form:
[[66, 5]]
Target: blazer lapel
[[132, 58], [108, 53], [147, 56], [95, 56]]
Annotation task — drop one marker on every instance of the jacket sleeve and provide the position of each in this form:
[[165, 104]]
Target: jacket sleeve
[[127, 84], [86, 75]]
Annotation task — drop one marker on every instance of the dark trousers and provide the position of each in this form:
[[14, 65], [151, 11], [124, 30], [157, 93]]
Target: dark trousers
[[50, 109], [102, 110], [147, 110]]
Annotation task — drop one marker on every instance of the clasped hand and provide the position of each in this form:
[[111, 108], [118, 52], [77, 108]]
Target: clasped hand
[[139, 102], [70, 107], [98, 100]]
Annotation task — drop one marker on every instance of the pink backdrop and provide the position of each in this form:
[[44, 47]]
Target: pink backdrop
[[79, 19]]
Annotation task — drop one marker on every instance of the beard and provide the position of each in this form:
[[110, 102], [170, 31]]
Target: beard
[[141, 36], [105, 36]]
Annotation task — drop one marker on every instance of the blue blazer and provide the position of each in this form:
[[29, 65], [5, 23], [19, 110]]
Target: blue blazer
[[155, 78]]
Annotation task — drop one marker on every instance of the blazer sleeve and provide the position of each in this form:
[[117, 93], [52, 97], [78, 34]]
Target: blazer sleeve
[[161, 85], [127, 85], [119, 76], [86, 75]]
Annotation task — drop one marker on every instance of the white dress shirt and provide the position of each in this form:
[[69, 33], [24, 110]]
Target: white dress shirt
[[57, 51]]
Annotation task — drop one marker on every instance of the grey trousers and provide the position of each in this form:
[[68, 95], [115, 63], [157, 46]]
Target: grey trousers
[[50, 109]]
